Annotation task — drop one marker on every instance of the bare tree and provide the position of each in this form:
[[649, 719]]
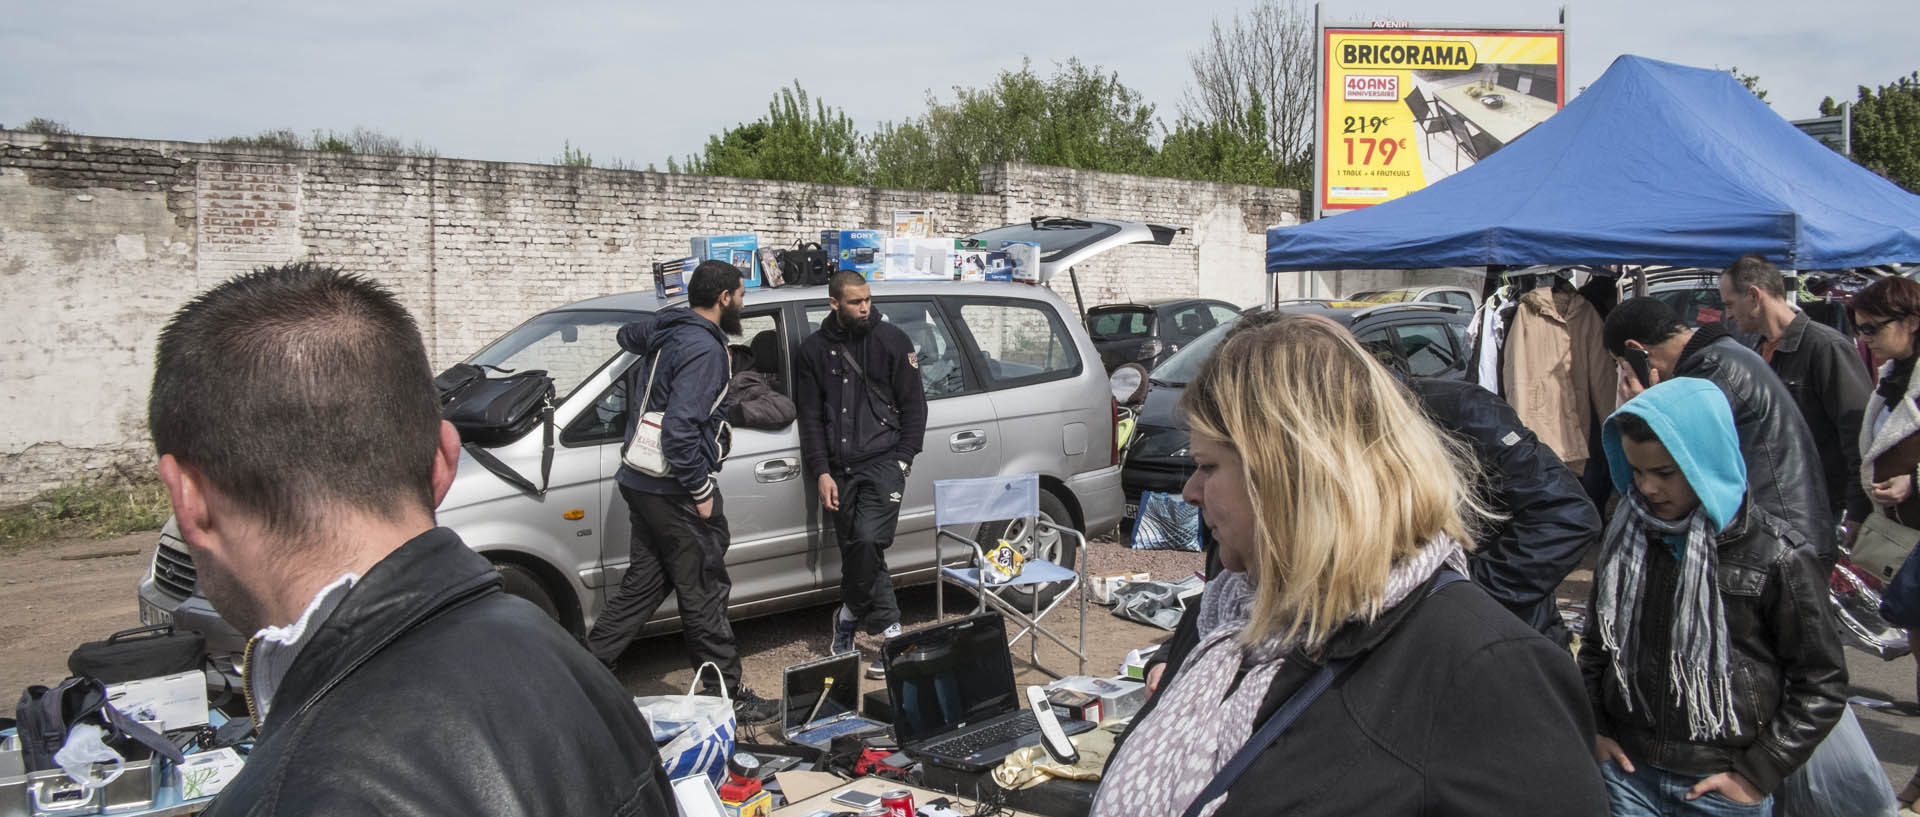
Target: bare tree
[[1268, 50]]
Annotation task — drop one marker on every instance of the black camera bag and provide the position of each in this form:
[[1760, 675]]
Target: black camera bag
[[142, 652], [805, 265], [495, 410]]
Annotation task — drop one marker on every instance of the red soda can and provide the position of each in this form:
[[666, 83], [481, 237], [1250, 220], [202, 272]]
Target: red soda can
[[899, 803]]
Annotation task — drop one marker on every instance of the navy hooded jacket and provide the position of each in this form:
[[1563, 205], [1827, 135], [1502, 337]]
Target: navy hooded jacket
[[692, 375]]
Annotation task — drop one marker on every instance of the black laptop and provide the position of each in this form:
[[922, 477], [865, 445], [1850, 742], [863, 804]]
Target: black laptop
[[954, 701]]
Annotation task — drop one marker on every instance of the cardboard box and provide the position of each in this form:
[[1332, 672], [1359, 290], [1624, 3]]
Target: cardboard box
[[759, 805], [912, 223], [1135, 664], [1119, 697], [738, 249], [1076, 704], [670, 277], [861, 251], [206, 773], [970, 259], [918, 259], [1024, 258]]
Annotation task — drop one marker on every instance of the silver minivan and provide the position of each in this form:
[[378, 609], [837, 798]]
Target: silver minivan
[[1014, 385]]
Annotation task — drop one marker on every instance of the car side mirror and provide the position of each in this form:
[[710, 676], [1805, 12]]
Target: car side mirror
[[1129, 384]]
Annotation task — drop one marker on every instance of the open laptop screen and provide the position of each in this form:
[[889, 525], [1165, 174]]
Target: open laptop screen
[[805, 682], [948, 675]]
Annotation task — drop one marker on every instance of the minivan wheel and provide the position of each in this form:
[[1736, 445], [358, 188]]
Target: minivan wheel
[[519, 581], [1048, 545]]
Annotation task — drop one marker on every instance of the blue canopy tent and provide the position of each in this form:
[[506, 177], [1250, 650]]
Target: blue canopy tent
[[1655, 163]]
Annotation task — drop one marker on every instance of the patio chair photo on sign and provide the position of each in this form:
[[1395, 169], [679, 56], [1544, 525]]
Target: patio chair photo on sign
[[968, 504]]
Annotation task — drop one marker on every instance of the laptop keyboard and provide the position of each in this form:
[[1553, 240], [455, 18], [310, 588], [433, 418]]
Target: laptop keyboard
[[965, 745]]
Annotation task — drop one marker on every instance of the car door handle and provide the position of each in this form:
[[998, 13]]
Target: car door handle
[[778, 470], [969, 440]]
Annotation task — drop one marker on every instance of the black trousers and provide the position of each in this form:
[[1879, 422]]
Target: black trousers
[[869, 511], [673, 550]]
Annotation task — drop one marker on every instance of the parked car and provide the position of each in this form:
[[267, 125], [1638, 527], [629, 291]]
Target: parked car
[[1467, 299], [1012, 385], [1147, 333], [1419, 339]]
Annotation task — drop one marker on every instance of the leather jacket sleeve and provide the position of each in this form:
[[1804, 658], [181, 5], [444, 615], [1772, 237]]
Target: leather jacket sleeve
[[1843, 388], [1813, 672]]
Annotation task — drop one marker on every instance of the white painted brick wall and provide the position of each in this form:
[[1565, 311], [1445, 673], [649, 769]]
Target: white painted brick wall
[[100, 243]]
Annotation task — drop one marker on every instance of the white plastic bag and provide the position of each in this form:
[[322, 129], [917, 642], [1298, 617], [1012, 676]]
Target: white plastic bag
[[695, 732], [86, 745], [1843, 778]]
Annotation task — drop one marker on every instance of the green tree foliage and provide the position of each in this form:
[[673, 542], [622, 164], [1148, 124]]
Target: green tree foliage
[[1751, 81], [46, 127], [359, 140], [1886, 129], [1238, 150], [798, 140]]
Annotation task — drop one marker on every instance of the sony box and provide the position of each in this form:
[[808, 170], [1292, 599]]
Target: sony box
[[861, 251], [738, 249]]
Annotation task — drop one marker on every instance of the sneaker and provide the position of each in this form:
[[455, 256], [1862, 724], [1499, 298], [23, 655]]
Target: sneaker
[[877, 671], [843, 631], [749, 708]]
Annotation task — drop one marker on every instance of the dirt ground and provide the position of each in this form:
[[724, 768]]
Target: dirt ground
[[56, 596]]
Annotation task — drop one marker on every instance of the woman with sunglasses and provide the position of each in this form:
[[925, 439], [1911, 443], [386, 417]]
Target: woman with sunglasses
[[1886, 315]]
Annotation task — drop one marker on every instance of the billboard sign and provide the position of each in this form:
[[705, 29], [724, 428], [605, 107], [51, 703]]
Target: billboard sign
[[1404, 107]]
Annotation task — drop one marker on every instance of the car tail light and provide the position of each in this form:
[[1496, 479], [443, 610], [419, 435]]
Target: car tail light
[[1116, 430], [1150, 349]]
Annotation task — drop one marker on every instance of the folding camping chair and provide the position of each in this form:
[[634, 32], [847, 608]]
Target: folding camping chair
[[972, 502]]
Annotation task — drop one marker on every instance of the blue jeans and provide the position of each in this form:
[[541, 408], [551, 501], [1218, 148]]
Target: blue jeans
[[1651, 792]]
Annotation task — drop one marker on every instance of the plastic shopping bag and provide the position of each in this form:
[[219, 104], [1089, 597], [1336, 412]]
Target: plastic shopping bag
[[695, 733], [1166, 522], [1843, 778]]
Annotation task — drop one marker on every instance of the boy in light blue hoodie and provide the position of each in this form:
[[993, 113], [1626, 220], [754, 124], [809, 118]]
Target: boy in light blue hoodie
[[1710, 656]]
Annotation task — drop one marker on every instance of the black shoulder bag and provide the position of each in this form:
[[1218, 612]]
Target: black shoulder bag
[[889, 418], [1285, 716]]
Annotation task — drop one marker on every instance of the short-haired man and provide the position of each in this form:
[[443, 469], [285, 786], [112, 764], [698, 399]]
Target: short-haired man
[[679, 520], [863, 414], [1774, 440], [301, 444], [1820, 368]]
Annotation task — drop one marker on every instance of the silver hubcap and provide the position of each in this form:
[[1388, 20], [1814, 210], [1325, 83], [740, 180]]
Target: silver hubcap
[[1044, 542]]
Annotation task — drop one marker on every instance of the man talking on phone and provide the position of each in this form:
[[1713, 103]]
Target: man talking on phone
[[1774, 439], [863, 414]]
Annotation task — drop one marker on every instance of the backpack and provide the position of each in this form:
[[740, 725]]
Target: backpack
[[805, 265]]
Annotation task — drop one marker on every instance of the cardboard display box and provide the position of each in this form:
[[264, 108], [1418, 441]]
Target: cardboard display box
[[861, 251], [739, 249]]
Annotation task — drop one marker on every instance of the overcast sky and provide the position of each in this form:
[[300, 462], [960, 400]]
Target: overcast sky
[[643, 81]]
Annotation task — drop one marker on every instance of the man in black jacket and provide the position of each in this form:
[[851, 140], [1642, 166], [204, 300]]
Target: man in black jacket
[[1774, 440], [680, 533], [863, 414], [301, 444], [1821, 369]]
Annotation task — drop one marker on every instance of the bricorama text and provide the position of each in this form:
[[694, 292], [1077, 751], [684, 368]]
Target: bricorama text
[[1455, 55]]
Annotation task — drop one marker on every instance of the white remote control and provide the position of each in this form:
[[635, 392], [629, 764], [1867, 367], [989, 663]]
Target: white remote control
[[1051, 735]]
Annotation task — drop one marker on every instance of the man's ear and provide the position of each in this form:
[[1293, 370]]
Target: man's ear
[[1634, 344], [186, 489], [446, 461]]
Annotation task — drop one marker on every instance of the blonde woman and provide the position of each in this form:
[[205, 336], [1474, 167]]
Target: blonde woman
[[1339, 512]]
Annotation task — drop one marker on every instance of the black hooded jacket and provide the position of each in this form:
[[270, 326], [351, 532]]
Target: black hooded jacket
[[843, 425], [692, 375]]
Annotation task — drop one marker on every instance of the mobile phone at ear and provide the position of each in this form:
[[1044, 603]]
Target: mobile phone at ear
[[1637, 360]]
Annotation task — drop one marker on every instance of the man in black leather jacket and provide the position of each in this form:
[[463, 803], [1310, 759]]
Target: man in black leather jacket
[[302, 448], [1782, 462]]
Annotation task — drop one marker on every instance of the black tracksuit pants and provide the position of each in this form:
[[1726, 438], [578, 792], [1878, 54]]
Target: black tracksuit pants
[[869, 510], [673, 550]]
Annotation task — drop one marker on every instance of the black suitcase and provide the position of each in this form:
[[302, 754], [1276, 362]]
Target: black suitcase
[[491, 411]]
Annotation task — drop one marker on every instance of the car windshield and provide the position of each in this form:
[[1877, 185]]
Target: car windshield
[[1184, 364], [570, 346], [1056, 238]]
